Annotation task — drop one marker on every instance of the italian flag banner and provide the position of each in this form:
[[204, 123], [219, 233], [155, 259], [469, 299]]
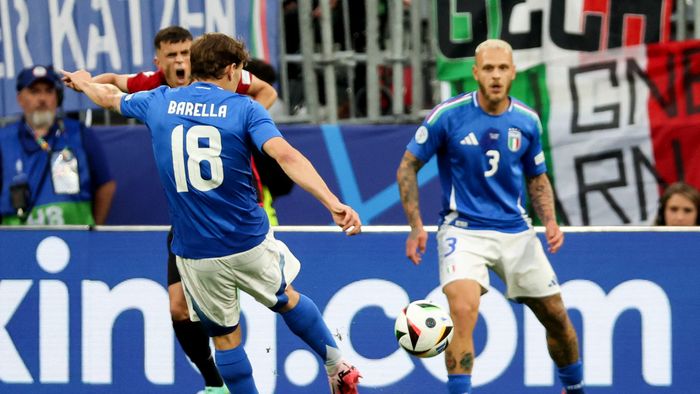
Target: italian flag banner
[[620, 125], [259, 38], [542, 29], [621, 119]]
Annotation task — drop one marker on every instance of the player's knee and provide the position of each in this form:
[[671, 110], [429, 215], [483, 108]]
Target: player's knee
[[178, 310], [464, 311], [179, 315], [557, 322], [225, 338], [293, 296], [291, 300]]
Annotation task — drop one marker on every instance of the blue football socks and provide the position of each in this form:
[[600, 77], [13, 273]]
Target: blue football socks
[[236, 370], [459, 384], [572, 378], [306, 322]]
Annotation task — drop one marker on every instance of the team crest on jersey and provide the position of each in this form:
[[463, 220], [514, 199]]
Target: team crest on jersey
[[421, 135], [514, 139]]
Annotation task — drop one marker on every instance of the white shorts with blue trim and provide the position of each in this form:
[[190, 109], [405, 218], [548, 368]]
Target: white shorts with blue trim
[[212, 285], [518, 259]]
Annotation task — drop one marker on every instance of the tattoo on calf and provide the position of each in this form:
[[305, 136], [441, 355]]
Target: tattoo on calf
[[467, 361], [450, 361]]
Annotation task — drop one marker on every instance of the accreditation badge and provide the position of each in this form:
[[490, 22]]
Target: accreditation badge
[[64, 172]]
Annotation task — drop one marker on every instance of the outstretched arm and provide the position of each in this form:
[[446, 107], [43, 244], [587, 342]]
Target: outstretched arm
[[118, 80], [542, 197], [407, 179], [105, 95], [262, 92], [303, 173]]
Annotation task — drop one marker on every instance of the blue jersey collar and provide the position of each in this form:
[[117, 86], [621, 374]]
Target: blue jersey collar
[[205, 85], [476, 104]]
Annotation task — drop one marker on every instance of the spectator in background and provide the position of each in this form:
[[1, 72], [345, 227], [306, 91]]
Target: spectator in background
[[679, 206], [52, 169], [292, 35]]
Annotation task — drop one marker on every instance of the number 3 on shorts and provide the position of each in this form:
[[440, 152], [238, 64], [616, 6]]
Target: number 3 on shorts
[[450, 242], [196, 155]]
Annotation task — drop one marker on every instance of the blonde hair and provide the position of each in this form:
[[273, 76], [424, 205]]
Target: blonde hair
[[493, 43]]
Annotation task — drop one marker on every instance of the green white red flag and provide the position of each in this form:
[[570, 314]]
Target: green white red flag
[[621, 124], [619, 102]]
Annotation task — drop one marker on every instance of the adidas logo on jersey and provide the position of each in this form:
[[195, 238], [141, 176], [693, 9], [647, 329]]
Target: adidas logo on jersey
[[470, 139]]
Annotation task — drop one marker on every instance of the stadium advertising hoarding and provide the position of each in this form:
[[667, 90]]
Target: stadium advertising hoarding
[[87, 311], [603, 177], [117, 35]]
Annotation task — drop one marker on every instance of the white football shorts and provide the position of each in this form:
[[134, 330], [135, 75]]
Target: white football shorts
[[214, 283], [518, 259]]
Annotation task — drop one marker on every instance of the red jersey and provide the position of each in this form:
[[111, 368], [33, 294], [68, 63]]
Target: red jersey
[[148, 80]]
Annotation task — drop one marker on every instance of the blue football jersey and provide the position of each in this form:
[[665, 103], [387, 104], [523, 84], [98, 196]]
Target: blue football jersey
[[202, 139], [481, 161]]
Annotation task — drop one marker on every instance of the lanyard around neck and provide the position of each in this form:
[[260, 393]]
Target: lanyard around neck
[[41, 141]]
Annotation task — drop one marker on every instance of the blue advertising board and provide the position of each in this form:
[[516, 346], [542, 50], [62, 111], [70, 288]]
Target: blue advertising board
[[358, 162], [87, 311]]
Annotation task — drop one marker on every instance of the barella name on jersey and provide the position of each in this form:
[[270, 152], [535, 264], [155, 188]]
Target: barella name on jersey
[[186, 108]]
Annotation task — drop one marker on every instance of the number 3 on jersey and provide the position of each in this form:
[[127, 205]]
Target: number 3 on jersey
[[494, 157], [196, 155]]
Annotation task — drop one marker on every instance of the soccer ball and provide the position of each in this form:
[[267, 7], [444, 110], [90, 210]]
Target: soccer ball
[[423, 329]]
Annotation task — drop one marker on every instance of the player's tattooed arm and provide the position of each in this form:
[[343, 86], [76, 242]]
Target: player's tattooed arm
[[542, 197], [407, 180]]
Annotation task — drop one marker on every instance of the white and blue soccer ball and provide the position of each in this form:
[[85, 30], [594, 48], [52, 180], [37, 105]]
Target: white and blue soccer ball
[[423, 329]]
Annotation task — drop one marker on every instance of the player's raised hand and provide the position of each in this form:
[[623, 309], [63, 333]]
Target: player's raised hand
[[72, 79], [555, 237], [415, 244], [346, 217]]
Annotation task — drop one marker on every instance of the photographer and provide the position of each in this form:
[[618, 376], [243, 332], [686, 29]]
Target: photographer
[[52, 169]]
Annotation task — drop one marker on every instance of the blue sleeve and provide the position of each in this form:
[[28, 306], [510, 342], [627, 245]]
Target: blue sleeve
[[533, 159], [99, 170], [260, 126], [427, 140], [135, 105]]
